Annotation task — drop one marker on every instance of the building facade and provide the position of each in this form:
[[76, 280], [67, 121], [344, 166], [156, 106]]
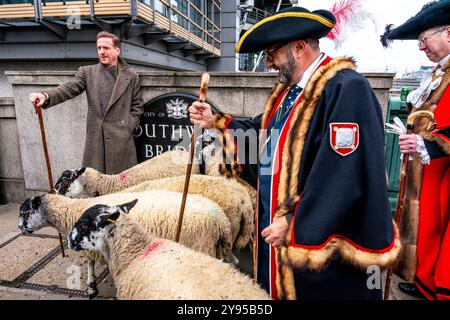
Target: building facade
[[52, 35]]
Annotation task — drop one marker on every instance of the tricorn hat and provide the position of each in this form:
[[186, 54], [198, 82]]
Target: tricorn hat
[[294, 23], [433, 14]]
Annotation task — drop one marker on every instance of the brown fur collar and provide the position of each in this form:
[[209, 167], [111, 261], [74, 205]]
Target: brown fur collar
[[434, 98], [431, 105], [408, 227]]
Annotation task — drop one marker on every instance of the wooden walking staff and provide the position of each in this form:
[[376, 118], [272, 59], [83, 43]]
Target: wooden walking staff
[[47, 160], [201, 98], [402, 184]]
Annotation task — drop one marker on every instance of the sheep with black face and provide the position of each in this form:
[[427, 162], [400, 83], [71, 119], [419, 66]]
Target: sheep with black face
[[205, 226], [88, 182], [145, 267]]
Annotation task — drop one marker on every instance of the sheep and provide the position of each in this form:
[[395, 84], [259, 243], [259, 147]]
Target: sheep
[[88, 182], [230, 195], [145, 267], [205, 227]]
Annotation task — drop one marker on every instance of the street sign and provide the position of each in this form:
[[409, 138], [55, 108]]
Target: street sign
[[165, 125]]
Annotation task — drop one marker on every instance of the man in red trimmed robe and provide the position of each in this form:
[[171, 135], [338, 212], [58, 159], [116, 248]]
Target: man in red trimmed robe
[[425, 231], [323, 225]]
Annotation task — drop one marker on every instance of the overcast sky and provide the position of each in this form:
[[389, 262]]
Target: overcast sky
[[364, 44]]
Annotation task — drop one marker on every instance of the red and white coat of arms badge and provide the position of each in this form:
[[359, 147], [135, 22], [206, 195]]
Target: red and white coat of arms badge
[[344, 137]]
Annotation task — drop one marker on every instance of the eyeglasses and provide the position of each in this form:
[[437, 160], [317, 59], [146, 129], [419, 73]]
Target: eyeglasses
[[270, 53], [423, 41]]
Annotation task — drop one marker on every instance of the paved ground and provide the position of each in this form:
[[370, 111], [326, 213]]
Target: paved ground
[[32, 268]]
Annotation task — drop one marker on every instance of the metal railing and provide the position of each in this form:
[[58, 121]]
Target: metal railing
[[251, 61], [253, 15], [193, 25]]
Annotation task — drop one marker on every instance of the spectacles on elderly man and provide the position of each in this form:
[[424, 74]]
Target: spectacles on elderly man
[[423, 40], [271, 52]]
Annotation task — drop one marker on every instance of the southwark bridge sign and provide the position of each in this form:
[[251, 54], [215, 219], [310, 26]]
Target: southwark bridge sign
[[165, 125]]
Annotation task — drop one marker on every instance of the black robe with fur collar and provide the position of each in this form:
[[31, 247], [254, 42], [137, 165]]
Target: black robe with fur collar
[[339, 202]]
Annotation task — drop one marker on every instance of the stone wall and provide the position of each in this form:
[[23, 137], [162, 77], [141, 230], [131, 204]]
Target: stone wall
[[22, 165], [12, 188]]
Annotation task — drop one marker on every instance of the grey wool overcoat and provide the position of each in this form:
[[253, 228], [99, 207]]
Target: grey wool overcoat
[[109, 145]]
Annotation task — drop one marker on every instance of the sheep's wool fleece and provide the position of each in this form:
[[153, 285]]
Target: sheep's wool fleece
[[175, 272], [229, 194], [168, 164], [205, 227]]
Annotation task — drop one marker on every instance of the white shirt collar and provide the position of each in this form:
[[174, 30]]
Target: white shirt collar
[[308, 73], [444, 60]]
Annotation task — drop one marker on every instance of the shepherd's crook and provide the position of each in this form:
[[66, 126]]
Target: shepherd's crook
[[47, 161], [402, 184], [201, 98]]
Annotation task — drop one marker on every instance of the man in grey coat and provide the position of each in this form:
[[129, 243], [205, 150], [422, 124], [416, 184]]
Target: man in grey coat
[[114, 107]]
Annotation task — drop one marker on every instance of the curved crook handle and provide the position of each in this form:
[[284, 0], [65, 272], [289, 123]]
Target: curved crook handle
[[420, 114], [203, 87]]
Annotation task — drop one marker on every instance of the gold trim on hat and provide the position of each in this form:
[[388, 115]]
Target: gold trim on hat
[[311, 16]]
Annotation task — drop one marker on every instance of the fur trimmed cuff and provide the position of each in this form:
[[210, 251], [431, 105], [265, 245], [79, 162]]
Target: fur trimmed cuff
[[229, 166], [317, 259], [441, 140], [287, 207]]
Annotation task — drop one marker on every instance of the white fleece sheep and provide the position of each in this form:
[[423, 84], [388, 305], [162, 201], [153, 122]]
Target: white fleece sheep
[[88, 182], [144, 267], [205, 227], [230, 195]]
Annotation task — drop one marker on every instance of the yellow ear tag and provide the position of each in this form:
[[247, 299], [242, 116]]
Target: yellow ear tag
[[110, 220]]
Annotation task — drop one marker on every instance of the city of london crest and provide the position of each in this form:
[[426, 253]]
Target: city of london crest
[[177, 109], [344, 137]]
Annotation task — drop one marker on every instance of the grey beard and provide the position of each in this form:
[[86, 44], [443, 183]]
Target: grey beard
[[287, 70]]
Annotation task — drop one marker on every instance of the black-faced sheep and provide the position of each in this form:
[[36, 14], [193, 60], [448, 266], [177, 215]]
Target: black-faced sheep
[[205, 227], [145, 267], [88, 182]]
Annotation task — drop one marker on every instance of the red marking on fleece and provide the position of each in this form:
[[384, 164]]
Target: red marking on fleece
[[152, 247], [123, 176]]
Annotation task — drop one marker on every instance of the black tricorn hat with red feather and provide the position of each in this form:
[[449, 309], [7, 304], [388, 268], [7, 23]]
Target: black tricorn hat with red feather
[[295, 23]]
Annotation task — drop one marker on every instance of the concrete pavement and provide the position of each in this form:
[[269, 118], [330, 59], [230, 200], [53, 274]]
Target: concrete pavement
[[32, 268]]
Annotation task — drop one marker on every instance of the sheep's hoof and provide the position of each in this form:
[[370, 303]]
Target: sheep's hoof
[[92, 290]]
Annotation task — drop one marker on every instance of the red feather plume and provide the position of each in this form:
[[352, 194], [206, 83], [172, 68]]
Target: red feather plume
[[347, 13]]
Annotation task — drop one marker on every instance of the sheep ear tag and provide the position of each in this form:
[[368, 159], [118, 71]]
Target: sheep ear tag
[[108, 218], [344, 137]]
